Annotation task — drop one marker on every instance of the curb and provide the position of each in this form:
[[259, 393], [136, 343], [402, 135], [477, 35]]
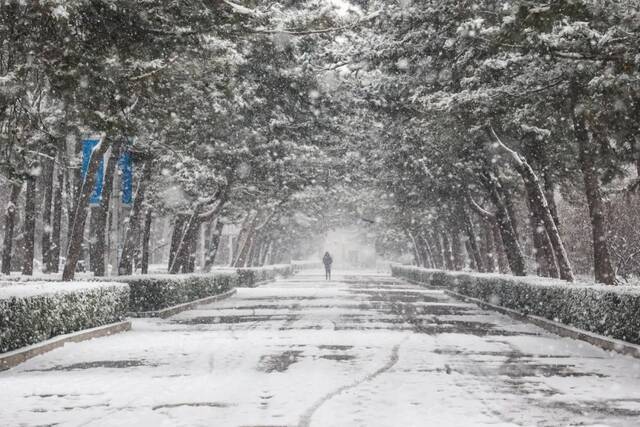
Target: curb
[[414, 282], [601, 341], [170, 311], [13, 358], [557, 328], [256, 284]]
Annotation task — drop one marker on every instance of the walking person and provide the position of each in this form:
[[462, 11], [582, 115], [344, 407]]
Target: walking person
[[327, 261]]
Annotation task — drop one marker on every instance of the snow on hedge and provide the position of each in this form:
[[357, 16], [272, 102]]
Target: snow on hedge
[[250, 276], [307, 265], [33, 311], [37, 311], [612, 311], [159, 291]]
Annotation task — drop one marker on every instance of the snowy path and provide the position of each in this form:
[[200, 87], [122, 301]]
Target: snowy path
[[359, 351]]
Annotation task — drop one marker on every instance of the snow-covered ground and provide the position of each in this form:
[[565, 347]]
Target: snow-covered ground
[[362, 350]]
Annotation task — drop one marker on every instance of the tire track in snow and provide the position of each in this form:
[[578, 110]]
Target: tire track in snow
[[305, 419]]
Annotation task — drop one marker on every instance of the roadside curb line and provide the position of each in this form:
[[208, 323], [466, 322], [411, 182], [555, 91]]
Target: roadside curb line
[[13, 358], [601, 341], [170, 311], [256, 284], [557, 328], [414, 282]]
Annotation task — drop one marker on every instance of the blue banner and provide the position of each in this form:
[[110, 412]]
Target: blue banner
[[126, 167], [87, 148]]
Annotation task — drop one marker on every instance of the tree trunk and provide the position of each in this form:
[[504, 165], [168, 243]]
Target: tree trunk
[[176, 238], [187, 242], [99, 253], [509, 237], [214, 244], [276, 253], [181, 261], [132, 234], [29, 226], [244, 238], [9, 226], [550, 192], [540, 208], [253, 247], [425, 250], [511, 210], [416, 251], [56, 228], [193, 249], [428, 250], [513, 251], [74, 189], [503, 262], [264, 251], [74, 251], [490, 258], [587, 156], [207, 235], [421, 251], [146, 236], [456, 247], [266, 258], [472, 260], [258, 256], [255, 252], [48, 182], [555, 252], [244, 250], [436, 245], [473, 249], [93, 212], [448, 254], [545, 258]]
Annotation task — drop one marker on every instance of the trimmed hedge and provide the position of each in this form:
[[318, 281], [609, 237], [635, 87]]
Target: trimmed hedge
[[156, 292], [307, 265], [251, 276], [606, 310], [34, 312]]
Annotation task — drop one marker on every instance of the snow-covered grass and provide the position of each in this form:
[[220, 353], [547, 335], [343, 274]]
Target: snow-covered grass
[[37, 311], [611, 311]]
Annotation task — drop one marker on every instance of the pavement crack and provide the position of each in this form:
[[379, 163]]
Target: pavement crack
[[305, 419]]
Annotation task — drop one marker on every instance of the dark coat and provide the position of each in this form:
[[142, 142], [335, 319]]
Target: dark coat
[[327, 260]]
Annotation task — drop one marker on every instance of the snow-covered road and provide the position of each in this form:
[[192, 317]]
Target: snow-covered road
[[363, 350]]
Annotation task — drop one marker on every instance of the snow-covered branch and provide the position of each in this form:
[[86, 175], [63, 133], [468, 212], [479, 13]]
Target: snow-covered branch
[[154, 71], [485, 214], [302, 32]]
